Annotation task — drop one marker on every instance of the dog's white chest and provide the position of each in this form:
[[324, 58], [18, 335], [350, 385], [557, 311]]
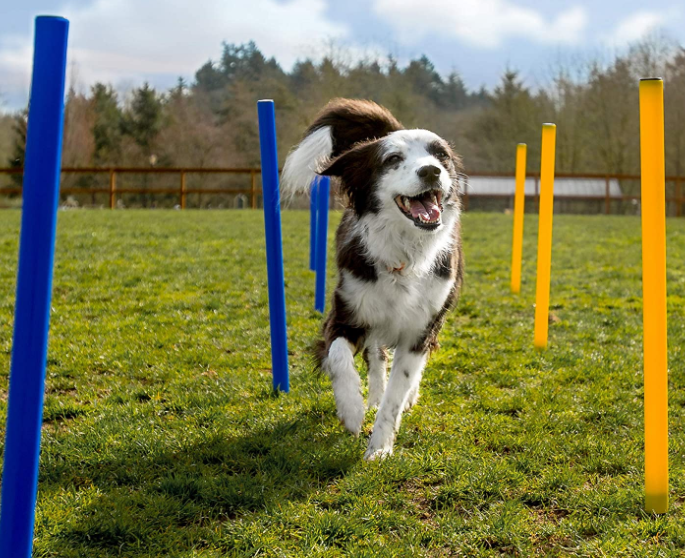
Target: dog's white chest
[[395, 308]]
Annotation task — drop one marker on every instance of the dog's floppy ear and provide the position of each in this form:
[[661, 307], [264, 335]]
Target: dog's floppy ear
[[458, 176], [361, 156], [357, 169], [456, 161], [336, 166]]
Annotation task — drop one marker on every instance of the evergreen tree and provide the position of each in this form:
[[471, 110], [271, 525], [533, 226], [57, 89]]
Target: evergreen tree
[[368, 81], [304, 75], [142, 120], [107, 126], [238, 62], [513, 116], [454, 95], [242, 62], [179, 91], [423, 78], [208, 78]]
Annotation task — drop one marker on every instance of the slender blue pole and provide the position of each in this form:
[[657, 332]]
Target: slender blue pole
[[34, 288], [322, 242], [274, 245], [312, 224]]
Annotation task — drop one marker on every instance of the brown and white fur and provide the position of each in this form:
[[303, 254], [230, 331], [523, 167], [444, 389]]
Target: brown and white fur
[[399, 255]]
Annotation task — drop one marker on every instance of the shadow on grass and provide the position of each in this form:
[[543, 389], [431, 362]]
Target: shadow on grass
[[143, 499]]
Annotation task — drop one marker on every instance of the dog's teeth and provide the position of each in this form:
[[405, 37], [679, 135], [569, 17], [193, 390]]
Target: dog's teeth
[[405, 201]]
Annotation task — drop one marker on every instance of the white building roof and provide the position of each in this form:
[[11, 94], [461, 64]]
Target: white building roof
[[505, 186]]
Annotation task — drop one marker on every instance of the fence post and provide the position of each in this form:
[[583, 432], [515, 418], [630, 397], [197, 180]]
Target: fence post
[[183, 189], [112, 188], [253, 189], [607, 199]]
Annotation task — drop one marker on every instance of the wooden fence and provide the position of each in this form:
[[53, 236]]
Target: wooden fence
[[253, 191], [181, 191]]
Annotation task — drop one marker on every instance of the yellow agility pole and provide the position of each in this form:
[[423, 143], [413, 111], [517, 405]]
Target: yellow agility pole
[[549, 137], [519, 206], [654, 293]]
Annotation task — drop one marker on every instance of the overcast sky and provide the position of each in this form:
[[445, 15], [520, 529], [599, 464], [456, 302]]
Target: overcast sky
[[126, 42]]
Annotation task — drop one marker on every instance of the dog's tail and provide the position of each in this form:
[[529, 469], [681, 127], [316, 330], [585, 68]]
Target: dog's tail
[[341, 124]]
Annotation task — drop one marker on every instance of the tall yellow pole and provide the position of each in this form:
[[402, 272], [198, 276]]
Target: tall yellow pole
[[654, 293], [549, 137], [519, 206]]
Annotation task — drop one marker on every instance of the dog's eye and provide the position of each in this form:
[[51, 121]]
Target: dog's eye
[[393, 159], [441, 155]]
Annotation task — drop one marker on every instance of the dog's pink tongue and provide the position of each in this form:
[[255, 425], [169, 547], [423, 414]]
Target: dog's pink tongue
[[425, 208]]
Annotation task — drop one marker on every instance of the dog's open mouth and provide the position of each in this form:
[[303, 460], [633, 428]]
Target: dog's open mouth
[[425, 210]]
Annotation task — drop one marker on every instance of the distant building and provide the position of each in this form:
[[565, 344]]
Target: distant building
[[563, 187], [571, 195]]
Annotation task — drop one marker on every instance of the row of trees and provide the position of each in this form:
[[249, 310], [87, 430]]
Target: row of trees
[[212, 122]]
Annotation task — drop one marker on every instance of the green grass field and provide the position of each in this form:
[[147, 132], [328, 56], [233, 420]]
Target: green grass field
[[162, 437]]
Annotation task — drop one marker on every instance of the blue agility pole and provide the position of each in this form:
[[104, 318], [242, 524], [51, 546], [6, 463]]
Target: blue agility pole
[[312, 224], [274, 245], [34, 288], [323, 195]]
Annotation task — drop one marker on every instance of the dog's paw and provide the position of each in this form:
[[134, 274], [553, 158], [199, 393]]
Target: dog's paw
[[373, 453], [412, 400], [374, 399], [351, 413]]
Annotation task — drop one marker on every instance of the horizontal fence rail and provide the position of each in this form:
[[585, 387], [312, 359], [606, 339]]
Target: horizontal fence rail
[[182, 191]]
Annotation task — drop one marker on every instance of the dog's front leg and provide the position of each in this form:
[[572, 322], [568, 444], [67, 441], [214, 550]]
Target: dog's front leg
[[376, 362], [339, 363], [404, 377]]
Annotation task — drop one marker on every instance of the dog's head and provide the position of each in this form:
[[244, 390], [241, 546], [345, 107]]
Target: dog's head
[[408, 176]]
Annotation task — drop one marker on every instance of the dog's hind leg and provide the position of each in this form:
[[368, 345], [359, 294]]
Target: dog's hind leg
[[405, 375], [339, 364], [377, 362]]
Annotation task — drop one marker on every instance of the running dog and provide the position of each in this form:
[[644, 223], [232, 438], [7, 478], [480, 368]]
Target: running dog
[[399, 255]]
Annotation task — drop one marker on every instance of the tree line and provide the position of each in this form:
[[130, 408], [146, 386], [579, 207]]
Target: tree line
[[212, 121]]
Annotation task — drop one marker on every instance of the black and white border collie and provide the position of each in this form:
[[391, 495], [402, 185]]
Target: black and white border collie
[[399, 255]]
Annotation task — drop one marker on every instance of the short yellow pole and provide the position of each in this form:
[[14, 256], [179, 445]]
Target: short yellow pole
[[519, 206], [654, 293], [549, 137]]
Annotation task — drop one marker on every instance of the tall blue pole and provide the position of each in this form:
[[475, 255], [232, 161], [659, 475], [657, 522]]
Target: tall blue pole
[[312, 224], [34, 288], [323, 195], [274, 244]]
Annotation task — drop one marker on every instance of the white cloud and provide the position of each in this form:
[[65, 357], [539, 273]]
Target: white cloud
[[123, 40], [634, 27], [483, 23]]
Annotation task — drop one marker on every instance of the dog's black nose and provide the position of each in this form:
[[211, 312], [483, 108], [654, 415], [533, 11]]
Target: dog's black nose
[[429, 173]]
